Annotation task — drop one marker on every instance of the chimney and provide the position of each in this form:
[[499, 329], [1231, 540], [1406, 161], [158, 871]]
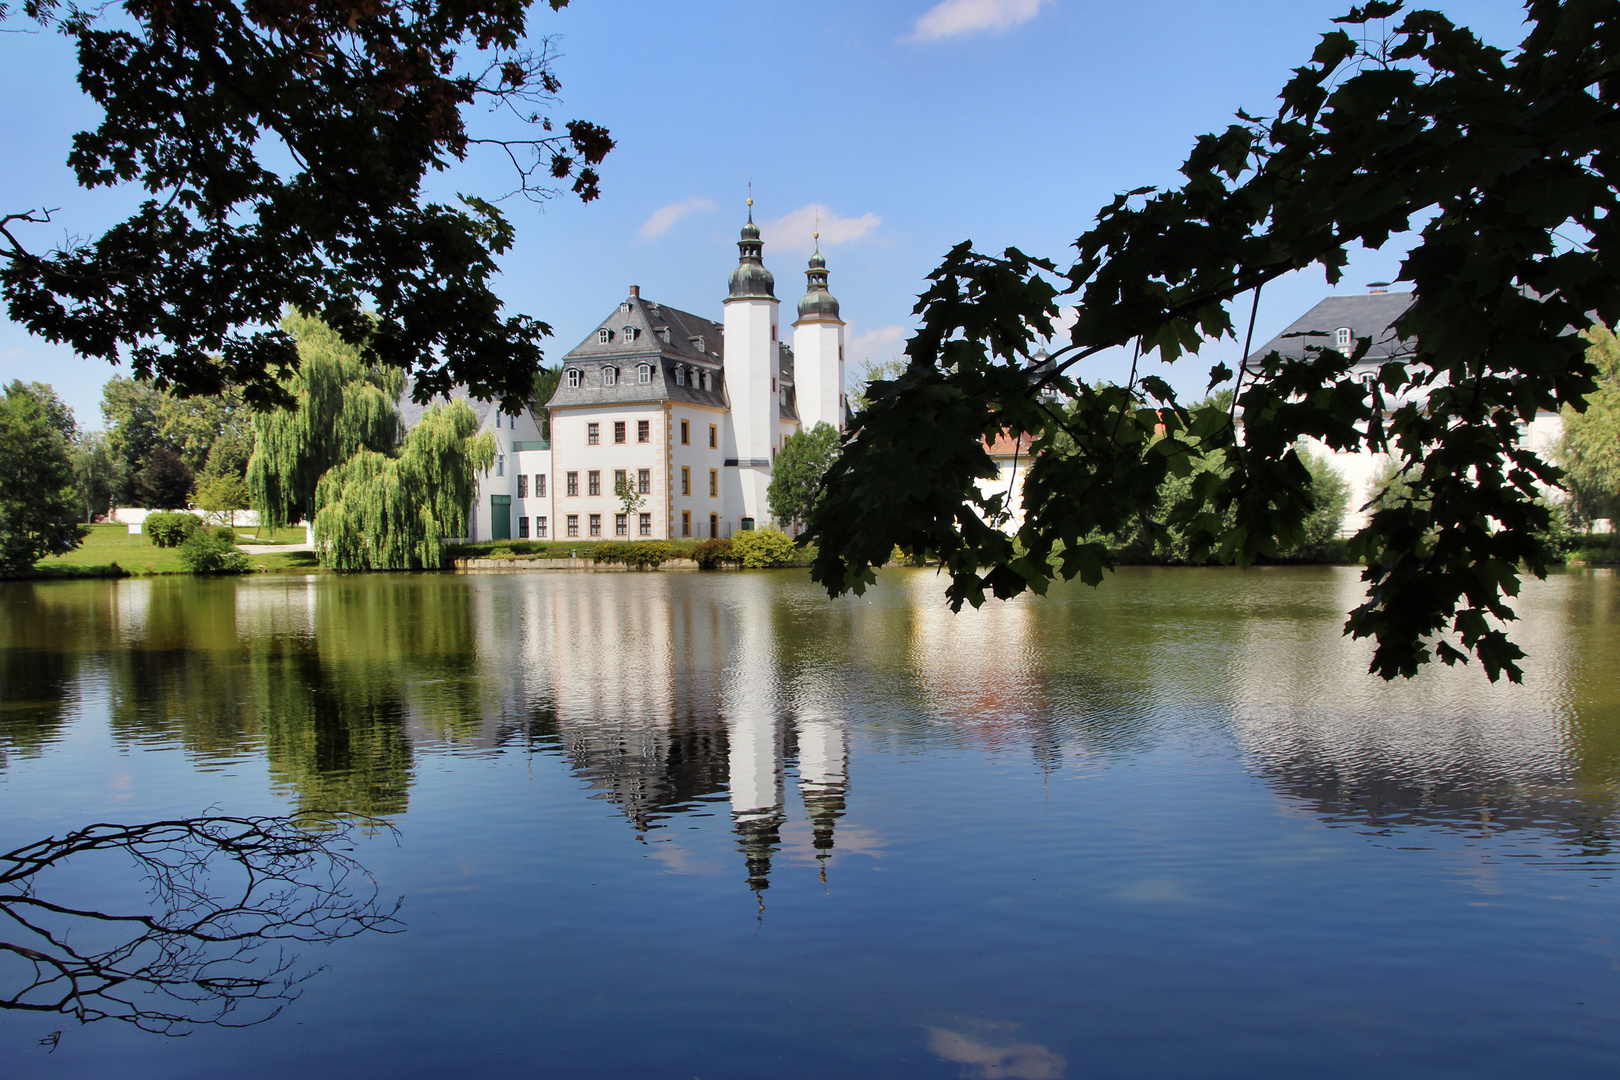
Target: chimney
[[1373, 287], [635, 292]]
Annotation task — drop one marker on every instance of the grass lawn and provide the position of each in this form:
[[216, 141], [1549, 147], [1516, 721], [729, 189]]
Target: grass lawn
[[109, 544]]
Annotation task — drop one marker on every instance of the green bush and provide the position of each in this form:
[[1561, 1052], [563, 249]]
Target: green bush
[[170, 530], [641, 554], [501, 551], [226, 533], [206, 552], [757, 549], [711, 553]]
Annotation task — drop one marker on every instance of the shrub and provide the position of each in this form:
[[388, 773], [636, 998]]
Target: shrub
[[757, 549], [171, 530], [226, 533], [501, 551], [711, 553], [642, 554], [206, 552]]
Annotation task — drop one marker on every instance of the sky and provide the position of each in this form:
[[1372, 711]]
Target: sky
[[907, 126]]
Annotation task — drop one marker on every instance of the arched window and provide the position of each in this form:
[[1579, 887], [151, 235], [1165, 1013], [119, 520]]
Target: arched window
[[574, 376], [644, 374], [610, 376], [1341, 337], [604, 335], [629, 333], [680, 375]]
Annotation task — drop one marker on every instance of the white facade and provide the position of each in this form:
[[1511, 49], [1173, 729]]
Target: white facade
[[691, 412]]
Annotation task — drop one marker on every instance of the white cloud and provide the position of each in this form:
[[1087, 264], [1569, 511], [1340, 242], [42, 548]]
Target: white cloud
[[956, 18], [877, 345], [791, 232], [664, 218]]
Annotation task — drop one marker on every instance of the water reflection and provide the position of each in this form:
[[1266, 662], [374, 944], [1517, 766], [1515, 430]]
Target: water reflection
[[671, 694], [991, 1051], [197, 934]]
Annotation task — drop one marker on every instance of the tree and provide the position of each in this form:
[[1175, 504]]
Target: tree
[[165, 483], [93, 473], [222, 494], [57, 414], [1502, 165], [1589, 450], [871, 372], [285, 147], [39, 504], [545, 385], [630, 500], [378, 511], [134, 431], [344, 405], [796, 475]]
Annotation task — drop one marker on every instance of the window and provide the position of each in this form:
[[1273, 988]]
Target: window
[[573, 524], [714, 526], [773, 331], [573, 377], [618, 431], [540, 485], [596, 524], [540, 527], [705, 377], [840, 354], [497, 418], [686, 432], [714, 437], [644, 374], [604, 335], [646, 525], [500, 464], [680, 375], [593, 482], [621, 524], [573, 483], [523, 528], [610, 376], [643, 431], [618, 480], [686, 523], [773, 384], [686, 480], [1341, 337], [593, 434], [714, 483], [523, 485], [644, 481], [631, 333]]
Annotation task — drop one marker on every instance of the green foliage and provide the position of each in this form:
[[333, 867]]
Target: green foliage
[[796, 474], [641, 554], [381, 512], [1330, 496], [545, 385], [1492, 156], [170, 530], [624, 489], [39, 504], [757, 549], [211, 551], [874, 371], [286, 153], [1590, 448], [93, 473], [343, 406], [709, 554], [222, 494], [165, 482], [211, 434]]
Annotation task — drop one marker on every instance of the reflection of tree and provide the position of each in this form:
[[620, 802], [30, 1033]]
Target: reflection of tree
[[225, 897]]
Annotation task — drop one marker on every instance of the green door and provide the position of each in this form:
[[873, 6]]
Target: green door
[[500, 517]]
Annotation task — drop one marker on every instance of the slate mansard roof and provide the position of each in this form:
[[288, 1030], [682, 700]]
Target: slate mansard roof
[[666, 338], [1367, 315]]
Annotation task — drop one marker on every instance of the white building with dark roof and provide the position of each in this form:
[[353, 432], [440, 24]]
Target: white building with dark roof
[[686, 411]]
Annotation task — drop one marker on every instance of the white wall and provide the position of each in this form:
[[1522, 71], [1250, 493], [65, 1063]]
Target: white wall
[[571, 451]]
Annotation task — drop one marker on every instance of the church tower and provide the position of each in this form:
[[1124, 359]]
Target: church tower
[[818, 350], [752, 370]]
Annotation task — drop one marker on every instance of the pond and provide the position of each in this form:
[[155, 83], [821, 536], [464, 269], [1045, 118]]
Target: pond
[[717, 826]]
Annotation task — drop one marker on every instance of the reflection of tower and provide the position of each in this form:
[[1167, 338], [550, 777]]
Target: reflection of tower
[[755, 734], [823, 780]]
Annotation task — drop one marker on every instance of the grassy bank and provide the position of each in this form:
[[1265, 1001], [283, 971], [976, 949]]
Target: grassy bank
[[111, 551]]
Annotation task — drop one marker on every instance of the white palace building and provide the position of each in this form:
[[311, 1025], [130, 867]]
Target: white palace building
[[688, 411]]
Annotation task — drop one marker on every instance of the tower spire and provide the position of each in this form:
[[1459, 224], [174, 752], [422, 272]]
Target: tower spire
[[751, 279]]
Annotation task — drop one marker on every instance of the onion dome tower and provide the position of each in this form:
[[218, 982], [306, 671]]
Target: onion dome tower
[[751, 280], [818, 349]]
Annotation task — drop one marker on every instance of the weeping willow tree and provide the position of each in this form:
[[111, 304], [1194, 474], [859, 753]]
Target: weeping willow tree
[[344, 406], [379, 511]]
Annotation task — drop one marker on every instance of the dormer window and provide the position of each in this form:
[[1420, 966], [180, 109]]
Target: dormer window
[[644, 374], [604, 335], [663, 334], [610, 376], [680, 375], [700, 344], [574, 377], [1341, 337], [629, 333], [705, 377]]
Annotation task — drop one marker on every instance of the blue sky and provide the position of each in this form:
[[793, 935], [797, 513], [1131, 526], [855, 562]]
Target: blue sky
[[908, 125]]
